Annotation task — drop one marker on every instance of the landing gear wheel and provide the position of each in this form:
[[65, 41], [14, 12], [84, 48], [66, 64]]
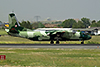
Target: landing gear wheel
[[52, 42], [82, 42], [57, 42]]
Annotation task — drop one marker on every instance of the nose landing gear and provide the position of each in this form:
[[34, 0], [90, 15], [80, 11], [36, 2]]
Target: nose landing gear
[[82, 42]]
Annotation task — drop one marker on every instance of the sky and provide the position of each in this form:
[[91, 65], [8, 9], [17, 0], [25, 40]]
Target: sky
[[55, 9]]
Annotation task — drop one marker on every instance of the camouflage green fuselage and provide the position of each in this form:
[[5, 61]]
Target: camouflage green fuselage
[[58, 34], [44, 35]]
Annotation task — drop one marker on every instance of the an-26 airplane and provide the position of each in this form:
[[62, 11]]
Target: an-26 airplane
[[45, 34]]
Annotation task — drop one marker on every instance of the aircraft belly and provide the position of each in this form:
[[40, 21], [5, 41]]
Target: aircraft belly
[[23, 34], [44, 38], [30, 34], [14, 34]]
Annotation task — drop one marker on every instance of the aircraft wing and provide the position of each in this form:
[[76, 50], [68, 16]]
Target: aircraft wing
[[54, 32], [58, 32]]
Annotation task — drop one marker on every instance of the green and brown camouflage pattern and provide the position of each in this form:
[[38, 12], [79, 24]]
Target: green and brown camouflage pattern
[[43, 33]]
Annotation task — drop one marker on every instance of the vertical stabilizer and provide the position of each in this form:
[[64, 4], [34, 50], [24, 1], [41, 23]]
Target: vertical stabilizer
[[14, 25]]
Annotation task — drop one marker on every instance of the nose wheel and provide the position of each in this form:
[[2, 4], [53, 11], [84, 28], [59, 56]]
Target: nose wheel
[[82, 42]]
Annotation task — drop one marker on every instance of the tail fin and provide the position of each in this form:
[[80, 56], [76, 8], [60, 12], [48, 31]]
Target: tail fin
[[14, 25]]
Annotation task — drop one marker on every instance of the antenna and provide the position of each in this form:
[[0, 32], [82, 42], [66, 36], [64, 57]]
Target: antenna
[[12, 11]]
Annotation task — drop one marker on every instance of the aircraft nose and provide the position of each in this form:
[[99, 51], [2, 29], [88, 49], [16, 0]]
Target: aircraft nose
[[90, 37]]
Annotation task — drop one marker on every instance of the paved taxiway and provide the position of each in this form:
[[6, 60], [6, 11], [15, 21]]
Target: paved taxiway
[[76, 46]]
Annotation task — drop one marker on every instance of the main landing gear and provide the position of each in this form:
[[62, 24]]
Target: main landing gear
[[57, 41], [52, 42]]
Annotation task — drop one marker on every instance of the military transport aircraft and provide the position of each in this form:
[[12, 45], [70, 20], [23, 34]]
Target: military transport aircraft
[[44, 34]]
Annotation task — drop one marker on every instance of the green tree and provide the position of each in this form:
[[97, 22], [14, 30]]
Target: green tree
[[29, 25], [86, 22], [37, 25], [96, 24], [59, 25], [98, 21], [26, 24], [93, 21], [75, 25], [3, 28], [80, 24], [68, 23], [23, 24], [40, 25]]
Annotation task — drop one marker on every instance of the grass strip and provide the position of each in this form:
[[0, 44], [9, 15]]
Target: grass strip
[[47, 57]]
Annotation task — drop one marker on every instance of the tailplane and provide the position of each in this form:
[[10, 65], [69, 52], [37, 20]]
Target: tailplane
[[14, 25]]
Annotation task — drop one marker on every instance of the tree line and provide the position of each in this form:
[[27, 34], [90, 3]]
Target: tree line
[[83, 23], [29, 25], [69, 23]]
